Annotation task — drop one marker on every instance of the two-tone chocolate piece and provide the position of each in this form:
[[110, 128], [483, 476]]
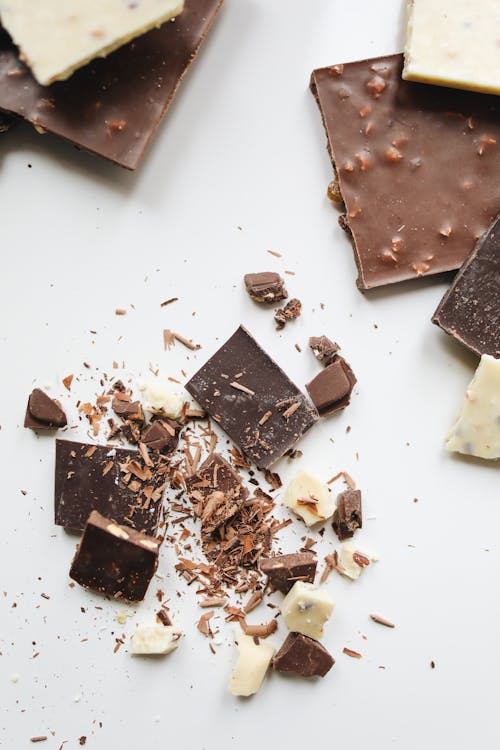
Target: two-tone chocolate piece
[[266, 286], [43, 412], [303, 656], [330, 390], [252, 399], [470, 309], [284, 570], [114, 559], [348, 515]]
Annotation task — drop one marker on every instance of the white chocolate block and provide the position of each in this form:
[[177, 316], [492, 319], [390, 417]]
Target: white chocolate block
[[158, 399], [154, 639], [309, 498], [454, 43], [476, 431], [58, 36], [306, 608], [352, 561], [251, 666]]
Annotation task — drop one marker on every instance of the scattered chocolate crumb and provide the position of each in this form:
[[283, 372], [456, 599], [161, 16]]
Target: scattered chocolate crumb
[[324, 349], [163, 616], [382, 621], [67, 382], [433, 664], [169, 301], [290, 311], [82, 740], [40, 738], [120, 311], [204, 624], [275, 253], [350, 652]]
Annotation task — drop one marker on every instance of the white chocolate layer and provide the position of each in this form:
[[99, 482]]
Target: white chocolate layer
[[454, 43], [476, 431], [58, 36], [309, 498], [251, 666], [306, 608], [158, 399], [154, 639]]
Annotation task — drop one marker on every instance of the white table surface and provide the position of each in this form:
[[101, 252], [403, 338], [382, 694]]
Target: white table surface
[[240, 167]]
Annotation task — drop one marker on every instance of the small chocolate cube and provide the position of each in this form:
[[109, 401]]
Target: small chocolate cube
[[330, 390], [267, 287], [284, 570], [303, 656], [43, 412], [348, 516], [323, 349], [162, 435]]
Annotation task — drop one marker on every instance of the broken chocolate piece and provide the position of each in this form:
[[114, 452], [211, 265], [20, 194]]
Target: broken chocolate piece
[[470, 309], [162, 435], [113, 481], [266, 286], [215, 476], [323, 349], [43, 412], [395, 146], [115, 560], [330, 390], [126, 409], [283, 570], [252, 399], [113, 106], [291, 311], [303, 656], [217, 510], [6, 122], [348, 517]]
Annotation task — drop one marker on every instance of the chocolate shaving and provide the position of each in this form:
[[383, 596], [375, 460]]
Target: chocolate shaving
[[382, 621], [261, 631]]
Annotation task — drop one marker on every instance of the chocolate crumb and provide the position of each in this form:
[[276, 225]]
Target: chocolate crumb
[[382, 621], [290, 311]]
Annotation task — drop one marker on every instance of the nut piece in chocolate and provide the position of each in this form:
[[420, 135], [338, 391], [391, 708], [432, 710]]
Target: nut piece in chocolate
[[330, 390], [43, 412], [266, 286], [284, 570], [323, 349], [115, 560], [303, 656], [347, 517]]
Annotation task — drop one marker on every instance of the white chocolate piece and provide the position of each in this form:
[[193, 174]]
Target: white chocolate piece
[[454, 43], [476, 431], [309, 498], [158, 399], [58, 36], [306, 608], [251, 666], [352, 562], [154, 639]]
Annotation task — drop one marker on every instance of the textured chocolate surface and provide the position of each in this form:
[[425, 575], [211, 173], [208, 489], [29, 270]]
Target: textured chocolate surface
[[417, 167], [266, 286], [348, 514], [215, 475], [113, 106], [330, 390], [96, 477], [43, 412], [470, 310], [283, 570], [303, 656], [115, 560], [252, 399]]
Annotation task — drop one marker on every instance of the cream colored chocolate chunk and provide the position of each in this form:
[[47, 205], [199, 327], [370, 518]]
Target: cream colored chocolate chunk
[[251, 666], [55, 37], [476, 431], [158, 399], [306, 608], [352, 562], [454, 43], [154, 639], [309, 498]]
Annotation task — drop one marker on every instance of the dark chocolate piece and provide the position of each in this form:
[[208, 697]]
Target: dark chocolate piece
[[215, 475], [252, 399], [127, 409], [266, 286], [323, 349], [470, 309], [43, 412], [283, 570], [330, 390], [115, 560], [112, 106], [162, 435], [290, 311], [417, 167], [113, 481], [303, 656], [6, 122], [348, 516]]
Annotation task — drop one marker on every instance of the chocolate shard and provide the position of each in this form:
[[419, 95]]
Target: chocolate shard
[[266, 286], [115, 560], [303, 656], [126, 409], [323, 349], [43, 412], [348, 516], [470, 309], [162, 435], [113, 481], [330, 390], [284, 570], [217, 510], [113, 106], [215, 476], [252, 399], [395, 146], [290, 311]]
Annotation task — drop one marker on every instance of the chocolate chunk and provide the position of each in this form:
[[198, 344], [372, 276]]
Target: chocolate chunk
[[347, 517], [303, 656], [284, 570], [217, 510], [6, 122], [112, 106], [266, 286], [323, 349], [113, 481], [330, 390], [290, 311], [252, 399], [162, 435], [43, 412], [127, 409], [417, 167], [470, 310], [115, 560], [215, 475]]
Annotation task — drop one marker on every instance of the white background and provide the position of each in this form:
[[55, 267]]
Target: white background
[[240, 167]]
